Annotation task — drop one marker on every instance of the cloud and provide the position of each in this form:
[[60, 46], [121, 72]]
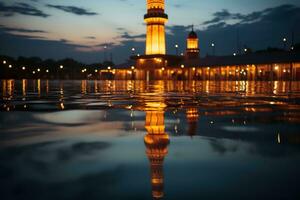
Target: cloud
[[90, 37], [21, 30], [21, 8], [125, 35], [73, 9], [270, 14]]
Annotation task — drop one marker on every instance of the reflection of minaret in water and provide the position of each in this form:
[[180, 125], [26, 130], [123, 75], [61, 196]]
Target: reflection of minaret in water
[[192, 118], [156, 142]]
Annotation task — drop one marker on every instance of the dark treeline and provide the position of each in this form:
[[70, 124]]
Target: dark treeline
[[35, 67]]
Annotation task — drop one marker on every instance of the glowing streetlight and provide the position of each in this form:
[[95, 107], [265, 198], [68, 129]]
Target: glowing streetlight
[[162, 69], [284, 40], [38, 69], [96, 70], [33, 72], [132, 67], [176, 47], [109, 67], [47, 70], [213, 45], [23, 68], [132, 50], [234, 54], [61, 67], [10, 66], [4, 62], [182, 66]]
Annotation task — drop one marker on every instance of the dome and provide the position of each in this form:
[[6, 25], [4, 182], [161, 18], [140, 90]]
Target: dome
[[193, 35]]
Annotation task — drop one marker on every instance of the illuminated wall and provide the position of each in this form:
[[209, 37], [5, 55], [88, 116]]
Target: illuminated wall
[[155, 20]]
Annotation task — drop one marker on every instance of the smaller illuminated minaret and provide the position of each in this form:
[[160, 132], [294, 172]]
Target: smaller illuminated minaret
[[192, 49]]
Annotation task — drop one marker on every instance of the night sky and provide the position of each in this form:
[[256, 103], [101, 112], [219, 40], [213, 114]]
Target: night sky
[[80, 29]]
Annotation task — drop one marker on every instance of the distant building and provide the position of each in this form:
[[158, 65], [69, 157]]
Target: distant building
[[192, 46]]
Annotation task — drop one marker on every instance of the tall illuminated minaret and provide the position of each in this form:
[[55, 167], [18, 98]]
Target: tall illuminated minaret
[[155, 20]]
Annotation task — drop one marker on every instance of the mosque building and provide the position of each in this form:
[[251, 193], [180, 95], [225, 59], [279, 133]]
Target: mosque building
[[156, 64]]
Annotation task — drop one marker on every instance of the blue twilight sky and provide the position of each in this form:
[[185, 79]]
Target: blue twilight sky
[[80, 28]]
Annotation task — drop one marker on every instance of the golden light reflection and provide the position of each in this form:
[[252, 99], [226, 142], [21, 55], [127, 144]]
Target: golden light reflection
[[83, 87], [192, 116], [39, 87], [47, 87], [156, 142], [24, 86]]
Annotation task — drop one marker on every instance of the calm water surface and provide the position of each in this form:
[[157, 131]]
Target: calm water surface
[[144, 140]]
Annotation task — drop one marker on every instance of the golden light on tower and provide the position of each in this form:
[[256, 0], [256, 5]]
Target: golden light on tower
[[155, 20], [192, 45], [156, 142]]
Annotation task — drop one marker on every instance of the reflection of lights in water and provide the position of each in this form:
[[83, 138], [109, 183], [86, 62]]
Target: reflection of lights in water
[[47, 86], [24, 84], [96, 86], [275, 88], [10, 87], [83, 87], [39, 86], [278, 138], [61, 89], [176, 129], [62, 107], [131, 114], [207, 87]]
